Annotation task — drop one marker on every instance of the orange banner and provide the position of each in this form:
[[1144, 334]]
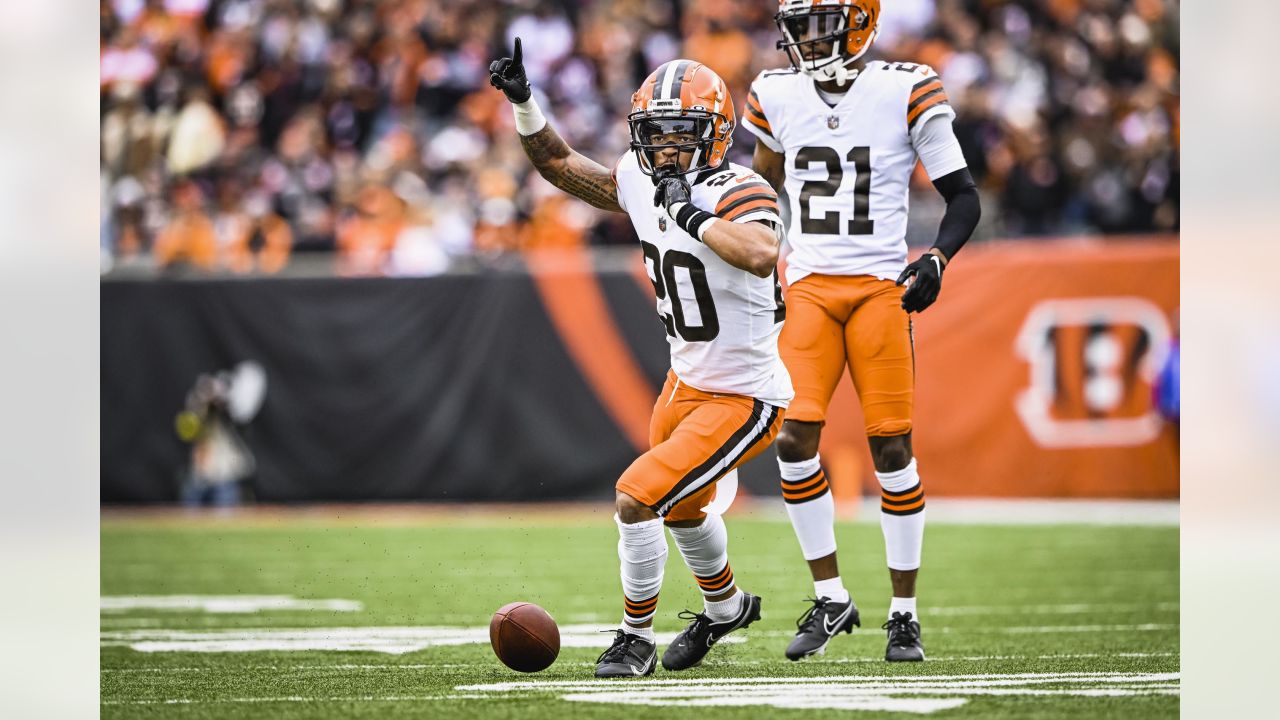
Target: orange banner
[[1034, 373]]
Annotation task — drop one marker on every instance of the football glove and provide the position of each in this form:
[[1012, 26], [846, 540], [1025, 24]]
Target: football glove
[[672, 192], [507, 74], [927, 282], [670, 188]]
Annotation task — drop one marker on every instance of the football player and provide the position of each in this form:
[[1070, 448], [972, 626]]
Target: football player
[[709, 231], [842, 135]]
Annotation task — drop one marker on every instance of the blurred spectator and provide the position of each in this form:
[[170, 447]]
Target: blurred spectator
[[188, 238], [251, 238], [367, 126]]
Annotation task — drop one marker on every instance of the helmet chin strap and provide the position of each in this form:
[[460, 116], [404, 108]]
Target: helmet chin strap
[[845, 74]]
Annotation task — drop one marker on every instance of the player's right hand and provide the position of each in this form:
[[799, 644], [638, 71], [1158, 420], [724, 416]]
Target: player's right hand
[[507, 74]]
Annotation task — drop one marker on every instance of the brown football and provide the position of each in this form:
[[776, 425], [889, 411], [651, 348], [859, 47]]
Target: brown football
[[524, 637]]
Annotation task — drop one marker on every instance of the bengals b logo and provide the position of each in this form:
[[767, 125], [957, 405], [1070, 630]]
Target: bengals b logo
[[1092, 362]]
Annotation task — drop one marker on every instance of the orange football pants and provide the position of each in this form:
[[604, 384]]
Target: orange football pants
[[856, 320], [696, 437]]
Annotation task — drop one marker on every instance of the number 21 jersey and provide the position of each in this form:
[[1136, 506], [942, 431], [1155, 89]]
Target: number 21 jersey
[[848, 167], [722, 323]]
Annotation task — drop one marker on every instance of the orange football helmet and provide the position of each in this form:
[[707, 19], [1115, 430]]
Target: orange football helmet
[[682, 97], [850, 26]]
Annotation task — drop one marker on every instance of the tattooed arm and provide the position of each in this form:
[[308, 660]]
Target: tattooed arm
[[572, 172]]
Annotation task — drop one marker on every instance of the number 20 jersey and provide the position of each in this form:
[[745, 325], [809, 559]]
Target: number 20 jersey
[[847, 167], [722, 323]]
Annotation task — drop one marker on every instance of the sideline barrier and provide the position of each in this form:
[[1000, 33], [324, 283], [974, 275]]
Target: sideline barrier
[[1033, 380]]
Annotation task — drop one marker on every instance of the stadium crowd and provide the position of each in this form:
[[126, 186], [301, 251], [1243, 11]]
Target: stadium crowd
[[236, 133]]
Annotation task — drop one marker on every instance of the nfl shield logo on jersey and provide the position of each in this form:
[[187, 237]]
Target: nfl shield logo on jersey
[[833, 121], [662, 223]]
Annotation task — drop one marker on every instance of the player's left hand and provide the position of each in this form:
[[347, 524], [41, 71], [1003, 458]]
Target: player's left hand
[[671, 188], [924, 289]]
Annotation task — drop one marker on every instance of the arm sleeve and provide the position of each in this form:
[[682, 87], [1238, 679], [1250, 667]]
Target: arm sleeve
[[757, 124], [962, 214], [936, 144]]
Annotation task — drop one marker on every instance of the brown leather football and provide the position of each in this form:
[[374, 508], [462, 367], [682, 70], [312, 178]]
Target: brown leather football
[[524, 637]]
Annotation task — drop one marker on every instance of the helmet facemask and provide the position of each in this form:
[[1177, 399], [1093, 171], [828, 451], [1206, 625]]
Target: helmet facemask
[[653, 131], [810, 28]]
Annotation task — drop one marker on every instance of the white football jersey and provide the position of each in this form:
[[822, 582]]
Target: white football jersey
[[722, 322], [848, 167]]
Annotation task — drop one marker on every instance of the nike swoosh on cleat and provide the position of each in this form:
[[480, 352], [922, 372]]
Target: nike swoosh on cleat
[[832, 630]]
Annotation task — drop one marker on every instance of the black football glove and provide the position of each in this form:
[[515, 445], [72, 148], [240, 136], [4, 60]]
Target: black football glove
[[670, 188], [507, 74], [924, 289]]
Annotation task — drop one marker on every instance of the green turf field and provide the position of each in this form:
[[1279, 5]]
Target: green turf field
[[1019, 621]]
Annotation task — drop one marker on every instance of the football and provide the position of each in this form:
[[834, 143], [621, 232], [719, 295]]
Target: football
[[524, 637]]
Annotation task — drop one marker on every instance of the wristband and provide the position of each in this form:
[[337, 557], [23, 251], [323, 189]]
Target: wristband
[[691, 219], [529, 117]]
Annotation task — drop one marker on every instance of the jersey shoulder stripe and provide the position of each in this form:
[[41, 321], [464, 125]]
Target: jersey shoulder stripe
[[750, 205], [927, 93], [739, 192], [747, 197], [745, 188], [755, 112]]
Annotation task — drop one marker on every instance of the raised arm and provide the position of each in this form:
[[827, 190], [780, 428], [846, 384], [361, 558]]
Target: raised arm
[[570, 170], [560, 164]]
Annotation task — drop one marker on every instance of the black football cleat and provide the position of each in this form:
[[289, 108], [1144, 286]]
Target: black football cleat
[[628, 656], [820, 623], [693, 644], [904, 639]]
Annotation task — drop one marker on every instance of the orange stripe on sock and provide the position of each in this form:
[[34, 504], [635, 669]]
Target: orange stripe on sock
[[804, 486], [901, 508], [727, 571], [806, 495], [902, 501]]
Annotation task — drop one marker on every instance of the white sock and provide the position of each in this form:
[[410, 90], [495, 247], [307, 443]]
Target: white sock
[[727, 609], [643, 552], [902, 516], [904, 606], [705, 550], [832, 589], [810, 506], [644, 632]]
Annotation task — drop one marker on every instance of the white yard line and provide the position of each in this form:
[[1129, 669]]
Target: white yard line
[[223, 603], [914, 694], [1060, 609], [718, 662]]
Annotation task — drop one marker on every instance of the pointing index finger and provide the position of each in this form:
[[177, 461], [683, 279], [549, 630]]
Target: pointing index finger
[[515, 59]]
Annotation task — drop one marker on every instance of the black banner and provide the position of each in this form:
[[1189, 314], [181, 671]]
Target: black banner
[[449, 388]]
